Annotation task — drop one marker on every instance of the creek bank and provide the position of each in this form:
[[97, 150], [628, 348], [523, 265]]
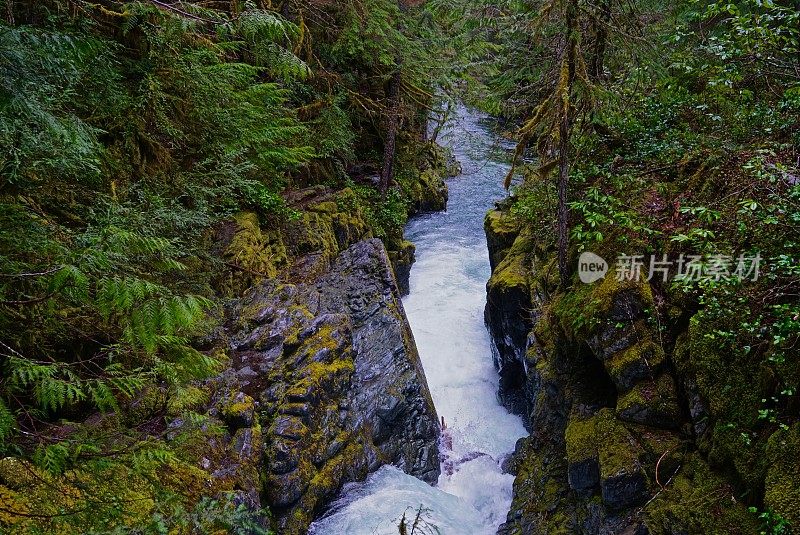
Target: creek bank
[[323, 383], [620, 402], [336, 376], [445, 310]]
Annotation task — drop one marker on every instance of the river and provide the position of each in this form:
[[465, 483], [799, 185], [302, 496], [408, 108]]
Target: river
[[445, 310]]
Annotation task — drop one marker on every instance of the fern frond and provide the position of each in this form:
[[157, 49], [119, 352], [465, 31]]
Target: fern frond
[[259, 24], [7, 422], [54, 458], [152, 454], [102, 396]]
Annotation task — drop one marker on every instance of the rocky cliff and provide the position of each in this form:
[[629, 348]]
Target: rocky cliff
[[322, 383], [623, 439], [331, 368]]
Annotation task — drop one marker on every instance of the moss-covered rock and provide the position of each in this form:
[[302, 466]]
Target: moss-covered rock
[[252, 252], [641, 361], [425, 192], [622, 478], [583, 472], [508, 318], [598, 312], [402, 259], [189, 398], [541, 496], [501, 228], [339, 384], [622, 398], [696, 500], [726, 388], [422, 170], [237, 410], [782, 485], [653, 403]]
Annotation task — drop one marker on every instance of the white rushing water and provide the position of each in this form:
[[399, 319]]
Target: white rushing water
[[445, 310]]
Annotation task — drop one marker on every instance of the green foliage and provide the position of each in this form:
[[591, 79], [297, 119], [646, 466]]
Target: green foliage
[[688, 146], [121, 151], [772, 523], [599, 210], [385, 215], [535, 199], [41, 75], [130, 134], [208, 516]]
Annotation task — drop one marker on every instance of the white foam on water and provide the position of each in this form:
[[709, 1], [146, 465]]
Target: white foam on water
[[445, 310], [378, 505]]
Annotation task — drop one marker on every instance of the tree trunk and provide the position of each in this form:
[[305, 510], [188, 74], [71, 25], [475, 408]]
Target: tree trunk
[[564, 131], [441, 121], [391, 131], [597, 66]]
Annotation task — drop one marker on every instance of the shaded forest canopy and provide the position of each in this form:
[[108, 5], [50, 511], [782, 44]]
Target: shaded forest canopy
[[133, 134]]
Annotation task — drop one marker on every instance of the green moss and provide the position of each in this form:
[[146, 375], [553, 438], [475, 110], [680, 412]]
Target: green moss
[[502, 224], [651, 402], [782, 485], [645, 353], [730, 445], [513, 271], [541, 492], [327, 481], [318, 372], [329, 207], [697, 501], [314, 234], [580, 439], [148, 402], [252, 249], [544, 278], [729, 382], [618, 451], [543, 334], [727, 385], [584, 308], [236, 405], [189, 398], [425, 190], [659, 447]]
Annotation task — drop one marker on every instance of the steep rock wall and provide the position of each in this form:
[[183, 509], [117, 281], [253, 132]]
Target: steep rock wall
[[614, 421], [337, 383]]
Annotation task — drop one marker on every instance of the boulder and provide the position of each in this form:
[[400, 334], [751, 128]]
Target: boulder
[[653, 403], [622, 478], [340, 387], [583, 470]]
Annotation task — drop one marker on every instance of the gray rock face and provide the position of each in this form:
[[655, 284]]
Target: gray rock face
[[584, 476], [339, 386], [390, 393], [508, 313], [599, 401]]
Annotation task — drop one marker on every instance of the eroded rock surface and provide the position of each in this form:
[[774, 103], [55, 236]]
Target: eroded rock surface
[[618, 419], [338, 384]]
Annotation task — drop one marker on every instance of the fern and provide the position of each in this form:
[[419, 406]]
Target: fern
[[150, 454], [54, 458], [102, 394], [7, 423], [56, 393], [259, 24]]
